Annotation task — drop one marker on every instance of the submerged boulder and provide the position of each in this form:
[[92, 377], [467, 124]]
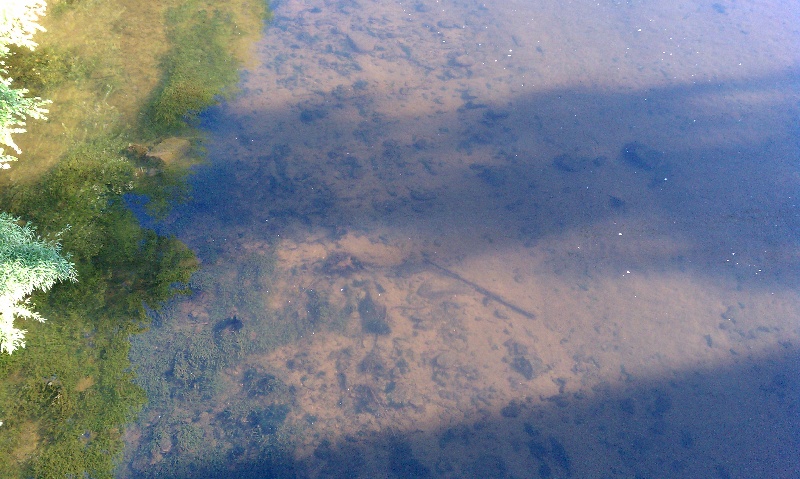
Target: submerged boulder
[[170, 150]]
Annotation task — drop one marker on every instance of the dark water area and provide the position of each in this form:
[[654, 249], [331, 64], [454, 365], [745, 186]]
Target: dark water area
[[493, 240]]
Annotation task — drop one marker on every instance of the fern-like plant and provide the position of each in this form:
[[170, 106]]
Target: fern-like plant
[[27, 263]]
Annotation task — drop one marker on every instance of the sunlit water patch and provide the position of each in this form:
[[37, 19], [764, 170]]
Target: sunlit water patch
[[457, 239]]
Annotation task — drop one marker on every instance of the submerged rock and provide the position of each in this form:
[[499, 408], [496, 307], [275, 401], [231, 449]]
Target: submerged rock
[[373, 317], [228, 325], [641, 157], [361, 42], [645, 159], [462, 61], [170, 150]]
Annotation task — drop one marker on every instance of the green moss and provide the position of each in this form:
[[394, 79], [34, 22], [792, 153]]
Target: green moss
[[118, 262], [121, 267], [64, 400], [59, 8], [189, 438], [198, 69], [46, 67]]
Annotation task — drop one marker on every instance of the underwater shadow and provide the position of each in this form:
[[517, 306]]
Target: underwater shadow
[[737, 420], [541, 166], [659, 180]]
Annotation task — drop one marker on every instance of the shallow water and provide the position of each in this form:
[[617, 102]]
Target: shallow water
[[511, 239]]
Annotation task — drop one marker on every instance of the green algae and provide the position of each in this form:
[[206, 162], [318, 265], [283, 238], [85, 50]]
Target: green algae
[[65, 399], [199, 68]]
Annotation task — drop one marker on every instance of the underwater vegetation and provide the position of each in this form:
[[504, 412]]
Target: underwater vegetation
[[47, 67], [373, 317], [195, 71], [199, 67], [198, 370], [66, 398]]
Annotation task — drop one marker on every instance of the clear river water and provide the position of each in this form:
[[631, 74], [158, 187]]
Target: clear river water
[[505, 239]]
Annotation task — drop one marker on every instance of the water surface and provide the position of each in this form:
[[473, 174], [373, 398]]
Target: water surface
[[507, 239]]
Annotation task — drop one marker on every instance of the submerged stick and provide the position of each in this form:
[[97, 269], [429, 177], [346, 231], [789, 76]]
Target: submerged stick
[[482, 290]]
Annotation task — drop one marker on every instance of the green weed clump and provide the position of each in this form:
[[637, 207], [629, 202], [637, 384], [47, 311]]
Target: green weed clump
[[45, 68], [199, 68], [67, 396], [119, 263]]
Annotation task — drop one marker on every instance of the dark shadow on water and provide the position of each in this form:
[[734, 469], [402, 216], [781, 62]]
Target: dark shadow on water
[[726, 190], [739, 421], [704, 178]]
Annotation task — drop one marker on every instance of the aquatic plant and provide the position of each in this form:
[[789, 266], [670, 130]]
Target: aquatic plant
[[19, 21], [197, 70], [15, 107], [18, 24], [47, 67], [27, 263], [65, 399], [83, 357]]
